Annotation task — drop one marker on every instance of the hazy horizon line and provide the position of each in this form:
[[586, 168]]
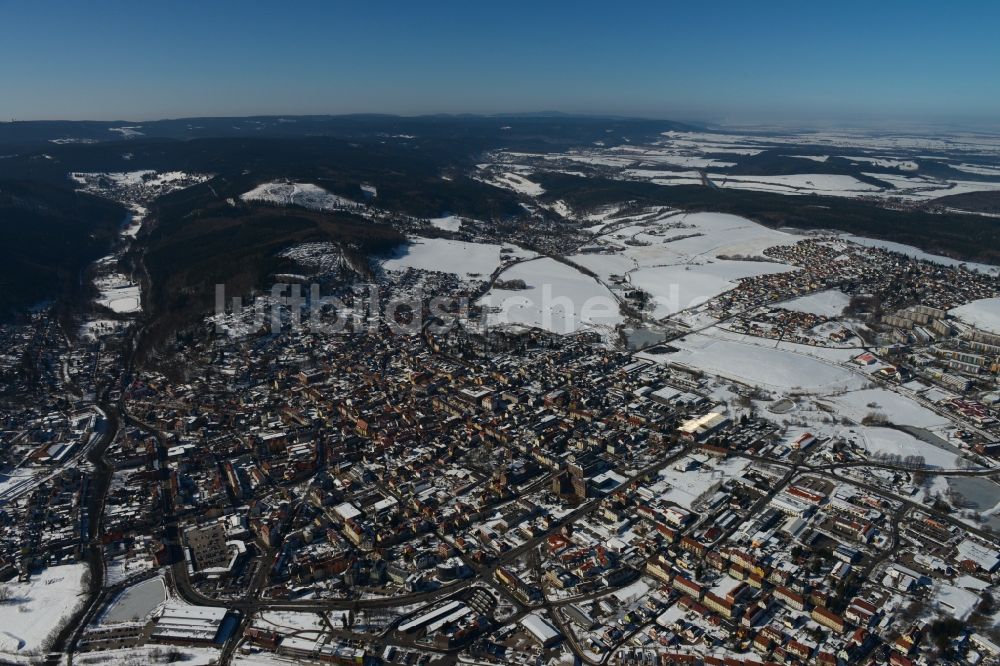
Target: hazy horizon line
[[753, 121]]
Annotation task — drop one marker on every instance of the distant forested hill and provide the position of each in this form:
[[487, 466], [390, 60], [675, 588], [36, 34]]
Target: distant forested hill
[[969, 237], [48, 235]]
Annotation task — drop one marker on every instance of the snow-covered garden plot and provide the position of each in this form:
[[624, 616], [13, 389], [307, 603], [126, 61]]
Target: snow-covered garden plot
[[558, 298], [984, 314], [306, 195], [38, 608], [759, 366], [467, 260], [828, 303]]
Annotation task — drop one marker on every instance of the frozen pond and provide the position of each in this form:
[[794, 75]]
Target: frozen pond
[[136, 602], [976, 492], [640, 338]]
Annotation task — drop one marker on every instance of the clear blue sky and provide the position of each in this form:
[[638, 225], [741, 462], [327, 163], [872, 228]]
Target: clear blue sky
[[739, 61]]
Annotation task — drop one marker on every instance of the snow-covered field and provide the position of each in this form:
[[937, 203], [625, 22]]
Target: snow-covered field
[[661, 177], [14, 482], [515, 182], [915, 187], [688, 238], [306, 195], [759, 366], [678, 158], [978, 169], [467, 260], [897, 443], [290, 621], [983, 314], [128, 132], [150, 654], [119, 294], [447, 223], [676, 257], [804, 183], [558, 298], [828, 303], [263, 658], [93, 329], [887, 162], [39, 607], [873, 140], [827, 354], [677, 288], [900, 410]]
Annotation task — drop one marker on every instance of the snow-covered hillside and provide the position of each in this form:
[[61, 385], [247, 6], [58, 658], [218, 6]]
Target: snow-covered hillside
[[306, 195]]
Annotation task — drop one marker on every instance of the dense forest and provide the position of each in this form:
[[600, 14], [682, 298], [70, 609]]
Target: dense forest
[[48, 235], [200, 242]]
